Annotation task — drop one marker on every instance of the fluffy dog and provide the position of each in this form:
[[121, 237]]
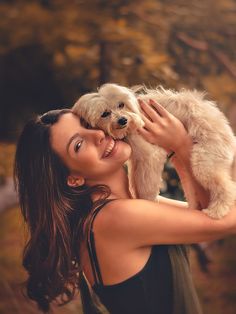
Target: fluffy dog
[[115, 109]]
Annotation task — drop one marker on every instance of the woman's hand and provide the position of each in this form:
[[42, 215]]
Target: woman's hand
[[162, 128]]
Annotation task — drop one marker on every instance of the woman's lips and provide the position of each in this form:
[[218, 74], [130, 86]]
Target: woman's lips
[[109, 152]]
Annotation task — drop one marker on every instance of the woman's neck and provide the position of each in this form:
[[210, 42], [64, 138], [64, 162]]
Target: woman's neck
[[119, 186], [118, 183]]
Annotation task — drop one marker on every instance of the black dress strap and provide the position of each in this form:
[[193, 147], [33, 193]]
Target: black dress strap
[[91, 245]]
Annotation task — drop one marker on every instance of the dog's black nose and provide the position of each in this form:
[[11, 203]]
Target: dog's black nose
[[122, 121]]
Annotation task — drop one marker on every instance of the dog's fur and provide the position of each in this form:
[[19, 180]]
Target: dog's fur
[[212, 154]]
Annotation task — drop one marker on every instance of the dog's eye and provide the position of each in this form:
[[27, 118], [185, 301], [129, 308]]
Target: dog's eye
[[121, 105], [105, 114]]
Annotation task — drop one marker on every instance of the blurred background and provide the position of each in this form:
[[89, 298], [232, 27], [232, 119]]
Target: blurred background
[[53, 51]]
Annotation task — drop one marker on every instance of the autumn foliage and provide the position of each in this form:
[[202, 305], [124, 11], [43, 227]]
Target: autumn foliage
[[53, 51]]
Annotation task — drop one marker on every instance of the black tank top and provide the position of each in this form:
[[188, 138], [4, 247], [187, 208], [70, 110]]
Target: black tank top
[[150, 291]]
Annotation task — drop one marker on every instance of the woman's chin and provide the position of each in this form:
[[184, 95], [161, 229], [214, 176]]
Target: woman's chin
[[123, 151], [127, 152]]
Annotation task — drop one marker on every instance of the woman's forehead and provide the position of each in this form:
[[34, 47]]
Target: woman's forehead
[[68, 121], [62, 131]]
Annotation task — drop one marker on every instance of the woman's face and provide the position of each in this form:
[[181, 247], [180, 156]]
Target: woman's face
[[87, 152]]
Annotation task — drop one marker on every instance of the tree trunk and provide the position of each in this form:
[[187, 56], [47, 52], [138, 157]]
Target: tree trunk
[[105, 63]]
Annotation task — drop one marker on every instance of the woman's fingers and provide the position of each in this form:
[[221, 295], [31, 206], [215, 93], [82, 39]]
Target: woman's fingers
[[143, 131], [151, 113], [147, 122], [161, 110], [146, 134], [161, 127]]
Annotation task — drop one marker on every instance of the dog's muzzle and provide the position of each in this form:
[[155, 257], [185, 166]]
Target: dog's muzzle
[[122, 122]]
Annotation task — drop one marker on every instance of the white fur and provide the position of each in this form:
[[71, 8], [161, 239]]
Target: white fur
[[211, 158]]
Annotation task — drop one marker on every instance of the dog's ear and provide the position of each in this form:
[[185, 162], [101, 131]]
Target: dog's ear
[[137, 89]]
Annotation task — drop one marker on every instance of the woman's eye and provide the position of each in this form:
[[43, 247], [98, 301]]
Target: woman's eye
[[121, 105], [105, 114], [77, 146]]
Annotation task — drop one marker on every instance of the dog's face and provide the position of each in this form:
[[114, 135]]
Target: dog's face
[[113, 109]]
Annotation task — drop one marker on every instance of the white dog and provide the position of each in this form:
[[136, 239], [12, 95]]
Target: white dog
[[115, 109]]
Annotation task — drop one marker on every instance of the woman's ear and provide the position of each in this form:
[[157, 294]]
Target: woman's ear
[[75, 181]]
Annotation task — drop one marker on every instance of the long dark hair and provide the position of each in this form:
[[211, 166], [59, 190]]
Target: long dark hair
[[54, 213]]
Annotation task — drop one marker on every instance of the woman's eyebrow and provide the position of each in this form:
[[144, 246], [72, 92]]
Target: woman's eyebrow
[[71, 140]]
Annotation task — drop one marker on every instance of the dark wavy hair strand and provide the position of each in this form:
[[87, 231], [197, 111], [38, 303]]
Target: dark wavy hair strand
[[54, 213]]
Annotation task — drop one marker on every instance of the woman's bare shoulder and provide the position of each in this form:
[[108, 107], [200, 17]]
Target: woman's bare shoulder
[[121, 206], [124, 207], [117, 208], [139, 222], [120, 213]]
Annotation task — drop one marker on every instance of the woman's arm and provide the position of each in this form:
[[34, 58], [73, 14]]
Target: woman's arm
[[169, 201], [163, 129], [138, 223], [196, 195]]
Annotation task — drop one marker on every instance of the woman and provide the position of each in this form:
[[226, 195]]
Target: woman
[[82, 219]]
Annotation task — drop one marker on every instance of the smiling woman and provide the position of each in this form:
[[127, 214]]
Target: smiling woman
[[89, 233], [58, 169], [90, 155]]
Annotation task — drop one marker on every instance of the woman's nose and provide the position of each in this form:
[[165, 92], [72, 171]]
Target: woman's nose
[[98, 136]]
